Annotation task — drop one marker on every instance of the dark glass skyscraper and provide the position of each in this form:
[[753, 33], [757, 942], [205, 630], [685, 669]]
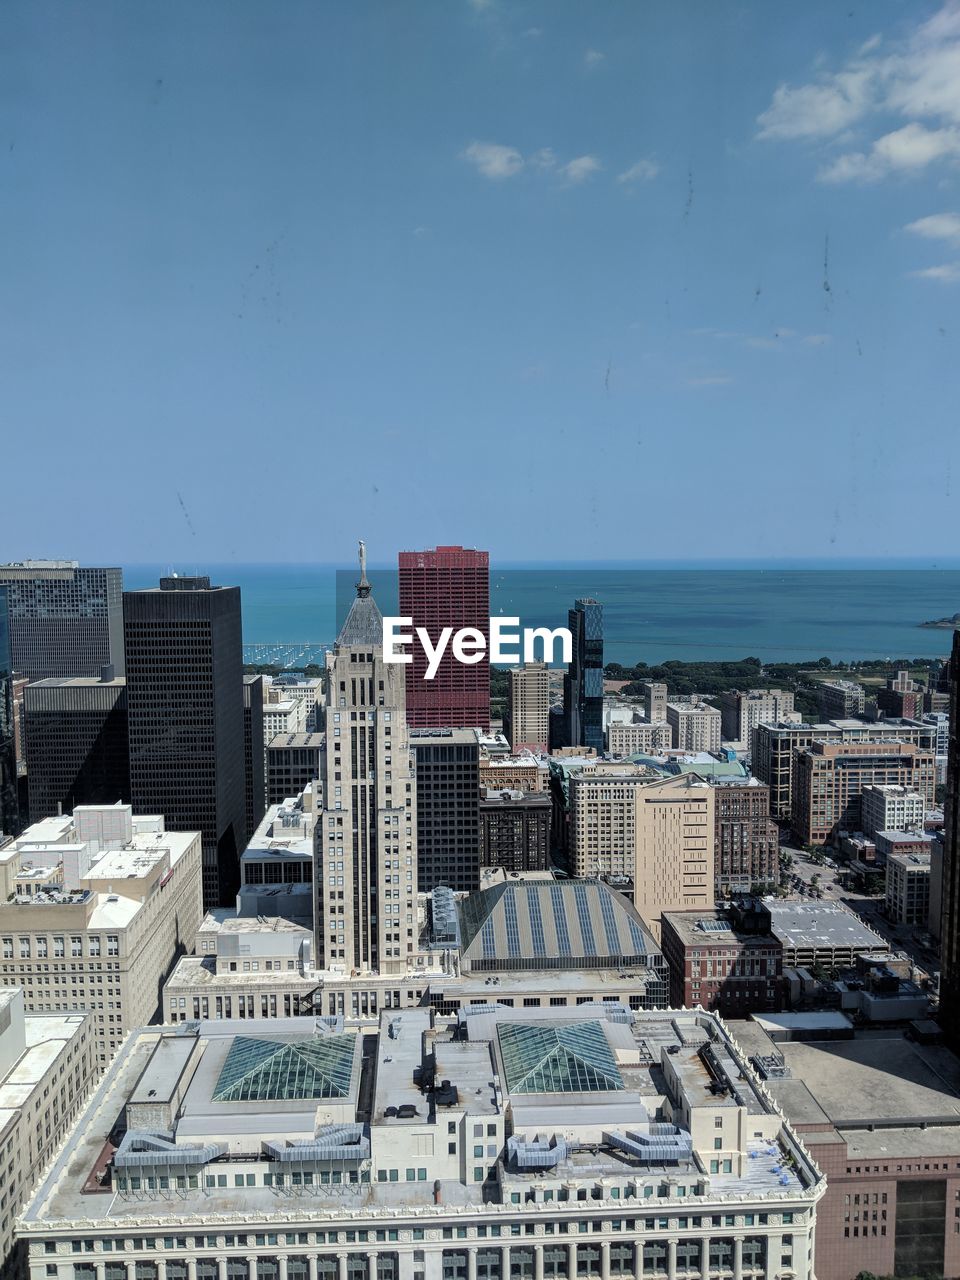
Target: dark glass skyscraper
[[950, 900], [186, 719], [9, 813], [583, 682], [77, 749], [65, 620]]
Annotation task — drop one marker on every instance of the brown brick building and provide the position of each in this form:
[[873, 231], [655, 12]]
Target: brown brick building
[[719, 960]]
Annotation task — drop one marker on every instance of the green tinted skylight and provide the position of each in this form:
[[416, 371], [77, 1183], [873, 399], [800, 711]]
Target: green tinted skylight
[[539, 1057], [269, 1071]]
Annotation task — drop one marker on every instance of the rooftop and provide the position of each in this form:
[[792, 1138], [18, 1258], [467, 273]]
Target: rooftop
[[809, 925]]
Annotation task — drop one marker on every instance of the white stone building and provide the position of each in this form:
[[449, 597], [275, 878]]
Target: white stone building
[[588, 1142]]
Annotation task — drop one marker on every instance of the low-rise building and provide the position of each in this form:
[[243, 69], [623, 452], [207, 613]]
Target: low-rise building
[[524, 772], [908, 888], [284, 717], [820, 934], [94, 910], [718, 961], [639, 737], [584, 1142], [47, 1065]]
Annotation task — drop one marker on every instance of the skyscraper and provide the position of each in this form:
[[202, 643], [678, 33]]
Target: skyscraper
[[9, 816], [950, 891], [583, 682], [366, 878], [254, 756], [447, 587], [448, 808], [77, 746], [64, 620], [186, 723]]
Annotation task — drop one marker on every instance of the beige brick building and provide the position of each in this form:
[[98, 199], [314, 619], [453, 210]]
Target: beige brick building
[[529, 706], [629, 739], [695, 725], [674, 848]]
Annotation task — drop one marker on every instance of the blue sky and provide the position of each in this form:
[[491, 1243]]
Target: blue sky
[[564, 280]]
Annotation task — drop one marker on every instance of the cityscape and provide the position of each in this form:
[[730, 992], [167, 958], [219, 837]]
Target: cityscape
[[480, 640], [529, 971]]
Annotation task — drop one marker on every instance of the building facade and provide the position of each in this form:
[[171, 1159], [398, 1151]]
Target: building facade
[[185, 699], [293, 761], [448, 808], [528, 707], [515, 830], [908, 888], [841, 699], [65, 620], [830, 778], [447, 587], [94, 910], [675, 836], [695, 726], [254, 761], [891, 808], [775, 749], [639, 738], [76, 743], [366, 861], [950, 875], [716, 963], [741, 711], [747, 843], [9, 803], [46, 1070]]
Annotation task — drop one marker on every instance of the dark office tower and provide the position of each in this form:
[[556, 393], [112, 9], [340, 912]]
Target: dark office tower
[[64, 620], [583, 682], [77, 749], [254, 757], [185, 712], [447, 587], [515, 830], [950, 899], [9, 809], [448, 808]]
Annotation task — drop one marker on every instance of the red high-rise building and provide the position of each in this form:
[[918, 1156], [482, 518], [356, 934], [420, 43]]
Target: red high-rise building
[[447, 587]]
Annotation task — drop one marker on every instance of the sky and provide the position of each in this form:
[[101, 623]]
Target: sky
[[567, 281]]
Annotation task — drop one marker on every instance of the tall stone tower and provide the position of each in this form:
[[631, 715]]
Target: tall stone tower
[[366, 860]]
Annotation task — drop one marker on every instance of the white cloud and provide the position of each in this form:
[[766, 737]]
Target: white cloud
[[642, 171], [906, 151], [581, 168], [937, 226], [592, 58], [916, 78], [493, 160], [545, 158], [946, 273], [818, 110], [816, 339]]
